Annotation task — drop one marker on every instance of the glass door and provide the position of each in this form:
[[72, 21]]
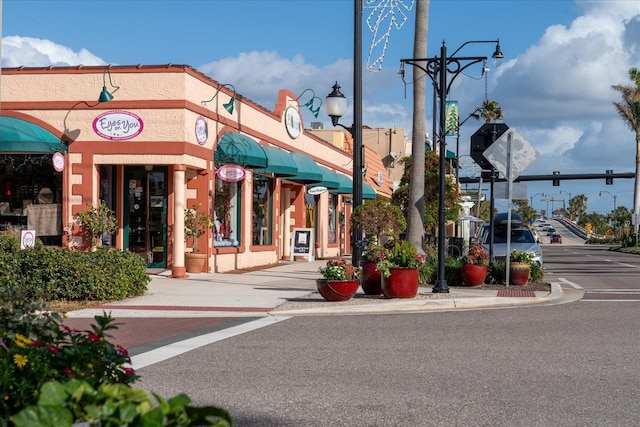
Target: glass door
[[146, 214]]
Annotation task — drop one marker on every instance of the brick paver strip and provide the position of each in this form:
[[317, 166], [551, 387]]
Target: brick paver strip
[[186, 308], [515, 293]]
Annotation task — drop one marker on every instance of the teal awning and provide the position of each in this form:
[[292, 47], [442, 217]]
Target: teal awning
[[367, 191], [346, 185], [17, 135], [329, 179], [451, 155], [279, 162], [240, 149], [308, 170]]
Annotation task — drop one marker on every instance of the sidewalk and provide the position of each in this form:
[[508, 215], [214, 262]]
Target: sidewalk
[[289, 289]]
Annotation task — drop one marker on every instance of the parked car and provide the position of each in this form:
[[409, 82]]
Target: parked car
[[556, 238], [522, 239]]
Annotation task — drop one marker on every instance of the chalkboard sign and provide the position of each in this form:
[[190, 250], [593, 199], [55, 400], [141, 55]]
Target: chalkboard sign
[[302, 243]]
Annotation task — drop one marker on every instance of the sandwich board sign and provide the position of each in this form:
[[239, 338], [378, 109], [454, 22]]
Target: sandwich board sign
[[302, 243]]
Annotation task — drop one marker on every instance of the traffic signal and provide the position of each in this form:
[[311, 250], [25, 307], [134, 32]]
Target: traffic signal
[[556, 182], [609, 180]]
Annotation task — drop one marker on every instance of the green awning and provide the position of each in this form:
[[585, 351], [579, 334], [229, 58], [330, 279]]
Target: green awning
[[308, 170], [241, 150], [17, 135], [367, 191], [329, 179], [346, 185], [279, 162]]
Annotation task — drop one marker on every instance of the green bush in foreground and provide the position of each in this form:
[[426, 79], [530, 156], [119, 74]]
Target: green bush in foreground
[[110, 405]]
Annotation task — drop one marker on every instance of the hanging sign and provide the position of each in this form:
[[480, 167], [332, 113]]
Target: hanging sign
[[231, 173], [317, 190], [118, 125], [58, 161]]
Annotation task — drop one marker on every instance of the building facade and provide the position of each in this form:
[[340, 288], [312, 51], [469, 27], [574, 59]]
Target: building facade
[[166, 139]]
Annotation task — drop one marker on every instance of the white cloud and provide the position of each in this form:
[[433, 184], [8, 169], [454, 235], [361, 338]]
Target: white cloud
[[31, 52]]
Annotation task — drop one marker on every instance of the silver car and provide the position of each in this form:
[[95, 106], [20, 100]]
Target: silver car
[[522, 239]]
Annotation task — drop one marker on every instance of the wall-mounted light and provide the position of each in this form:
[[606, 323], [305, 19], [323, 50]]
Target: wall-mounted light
[[229, 105], [105, 95], [310, 103]]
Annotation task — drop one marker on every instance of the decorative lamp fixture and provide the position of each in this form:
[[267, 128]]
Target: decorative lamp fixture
[[309, 104], [105, 95], [336, 104], [229, 105], [497, 55]]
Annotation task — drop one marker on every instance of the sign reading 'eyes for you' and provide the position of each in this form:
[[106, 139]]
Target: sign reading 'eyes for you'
[[117, 125]]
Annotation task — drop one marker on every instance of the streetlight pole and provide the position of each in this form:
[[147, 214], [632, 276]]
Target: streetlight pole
[[534, 196], [437, 68]]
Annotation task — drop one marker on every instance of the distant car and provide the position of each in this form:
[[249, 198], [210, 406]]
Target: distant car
[[556, 238], [551, 231]]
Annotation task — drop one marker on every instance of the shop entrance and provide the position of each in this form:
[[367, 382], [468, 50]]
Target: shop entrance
[[145, 213]]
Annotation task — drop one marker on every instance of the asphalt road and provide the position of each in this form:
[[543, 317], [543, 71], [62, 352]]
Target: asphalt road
[[574, 364]]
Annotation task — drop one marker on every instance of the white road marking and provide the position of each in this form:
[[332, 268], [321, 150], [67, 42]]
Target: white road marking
[[181, 347], [567, 282]]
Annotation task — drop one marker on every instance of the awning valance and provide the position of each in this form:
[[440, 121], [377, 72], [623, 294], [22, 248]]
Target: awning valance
[[346, 185], [329, 179], [367, 191], [17, 135], [240, 149], [308, 170], [279, 162]]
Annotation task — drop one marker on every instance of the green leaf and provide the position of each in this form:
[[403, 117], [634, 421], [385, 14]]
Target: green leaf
[[43, 416]]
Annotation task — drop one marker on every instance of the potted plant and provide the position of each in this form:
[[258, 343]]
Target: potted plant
[[399, 270], [519, 267], [381, 222], [196, 224], [340, 280], [474, 265]]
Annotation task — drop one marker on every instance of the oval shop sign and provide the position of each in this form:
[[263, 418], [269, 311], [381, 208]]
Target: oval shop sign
[[117, 125], [231, 173]]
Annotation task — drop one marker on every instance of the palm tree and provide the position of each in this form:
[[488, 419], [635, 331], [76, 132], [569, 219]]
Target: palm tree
[[629, 110], [415, 214], [490, 110]]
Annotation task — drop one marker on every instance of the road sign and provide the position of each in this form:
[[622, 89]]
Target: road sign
[[523, 154], [482, 139]]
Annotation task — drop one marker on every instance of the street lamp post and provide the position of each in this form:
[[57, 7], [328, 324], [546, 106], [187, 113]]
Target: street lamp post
[[437, 69], [534, 196], [614, 209]]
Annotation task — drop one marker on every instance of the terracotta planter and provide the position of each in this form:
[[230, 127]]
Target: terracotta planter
[[371, 279], [473, 275], [337, 290], [519, 273], [402, 283], [195, 263]]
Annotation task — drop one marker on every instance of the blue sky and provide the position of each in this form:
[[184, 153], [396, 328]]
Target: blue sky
[[561, 58]]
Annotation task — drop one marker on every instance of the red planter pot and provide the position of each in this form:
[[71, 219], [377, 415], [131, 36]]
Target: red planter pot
[[473, 275], [337, 290], [519, 273], [402, 283], [371, 279]]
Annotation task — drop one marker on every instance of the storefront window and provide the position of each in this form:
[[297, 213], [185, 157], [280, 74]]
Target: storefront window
[[261, 213], [333, 201], [31, 196], [227, 214]]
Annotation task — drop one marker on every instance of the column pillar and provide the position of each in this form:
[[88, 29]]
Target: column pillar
[[178, 269]]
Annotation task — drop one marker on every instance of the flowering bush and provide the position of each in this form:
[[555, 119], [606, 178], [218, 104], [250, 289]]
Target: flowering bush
[[374, 253], [35, 347], [196, 223], [402, 254], [476, 256], [339, 269], [521, 256]]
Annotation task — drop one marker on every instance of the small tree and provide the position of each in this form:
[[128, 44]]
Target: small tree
[[380, 220], [95, 222]]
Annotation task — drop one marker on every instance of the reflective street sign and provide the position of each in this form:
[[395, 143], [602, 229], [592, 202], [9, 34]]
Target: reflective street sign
[[523, 154]]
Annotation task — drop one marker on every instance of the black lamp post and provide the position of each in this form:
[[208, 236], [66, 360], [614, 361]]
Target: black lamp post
[[336, 104], [437, 69]]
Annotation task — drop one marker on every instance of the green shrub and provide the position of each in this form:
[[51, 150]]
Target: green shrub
[[496, 273], [62, 274]]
